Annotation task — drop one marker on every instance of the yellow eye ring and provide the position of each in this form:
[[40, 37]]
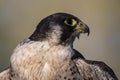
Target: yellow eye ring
[[70, 22]]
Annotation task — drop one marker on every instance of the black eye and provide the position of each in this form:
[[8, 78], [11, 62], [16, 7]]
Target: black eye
[[70, 22]]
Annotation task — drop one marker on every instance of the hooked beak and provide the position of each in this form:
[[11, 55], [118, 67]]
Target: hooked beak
[[82, 28]]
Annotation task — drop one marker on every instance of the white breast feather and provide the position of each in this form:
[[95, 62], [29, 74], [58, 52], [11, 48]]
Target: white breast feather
[[31, 57]]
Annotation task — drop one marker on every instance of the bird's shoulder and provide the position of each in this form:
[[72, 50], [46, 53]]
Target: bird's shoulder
[[102, 68], [93, 69], [77, 55], [4, 75]]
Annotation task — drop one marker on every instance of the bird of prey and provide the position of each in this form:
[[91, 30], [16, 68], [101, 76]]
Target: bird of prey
[[48, 54]]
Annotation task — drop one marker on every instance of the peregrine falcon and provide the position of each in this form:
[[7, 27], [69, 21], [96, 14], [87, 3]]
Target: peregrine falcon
[[48, 54]]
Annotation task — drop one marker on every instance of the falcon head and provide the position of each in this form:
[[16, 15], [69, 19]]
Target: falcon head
[[59, 28]]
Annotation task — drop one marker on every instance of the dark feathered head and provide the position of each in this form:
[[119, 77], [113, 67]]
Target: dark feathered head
[[59, 28]]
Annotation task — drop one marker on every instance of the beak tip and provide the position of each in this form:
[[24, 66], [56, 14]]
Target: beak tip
[[87, 30]]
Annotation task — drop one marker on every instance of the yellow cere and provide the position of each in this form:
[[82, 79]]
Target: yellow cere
[[80, 27], [81, 24]]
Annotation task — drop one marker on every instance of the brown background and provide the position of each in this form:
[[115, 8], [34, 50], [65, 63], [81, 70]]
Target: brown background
[[18, 19]]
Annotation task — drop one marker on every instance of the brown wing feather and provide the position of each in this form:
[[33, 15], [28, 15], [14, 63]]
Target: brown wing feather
[[93, 70], [105, 69]]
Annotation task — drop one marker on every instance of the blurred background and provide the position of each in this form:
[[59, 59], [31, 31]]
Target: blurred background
[[18, 19]]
